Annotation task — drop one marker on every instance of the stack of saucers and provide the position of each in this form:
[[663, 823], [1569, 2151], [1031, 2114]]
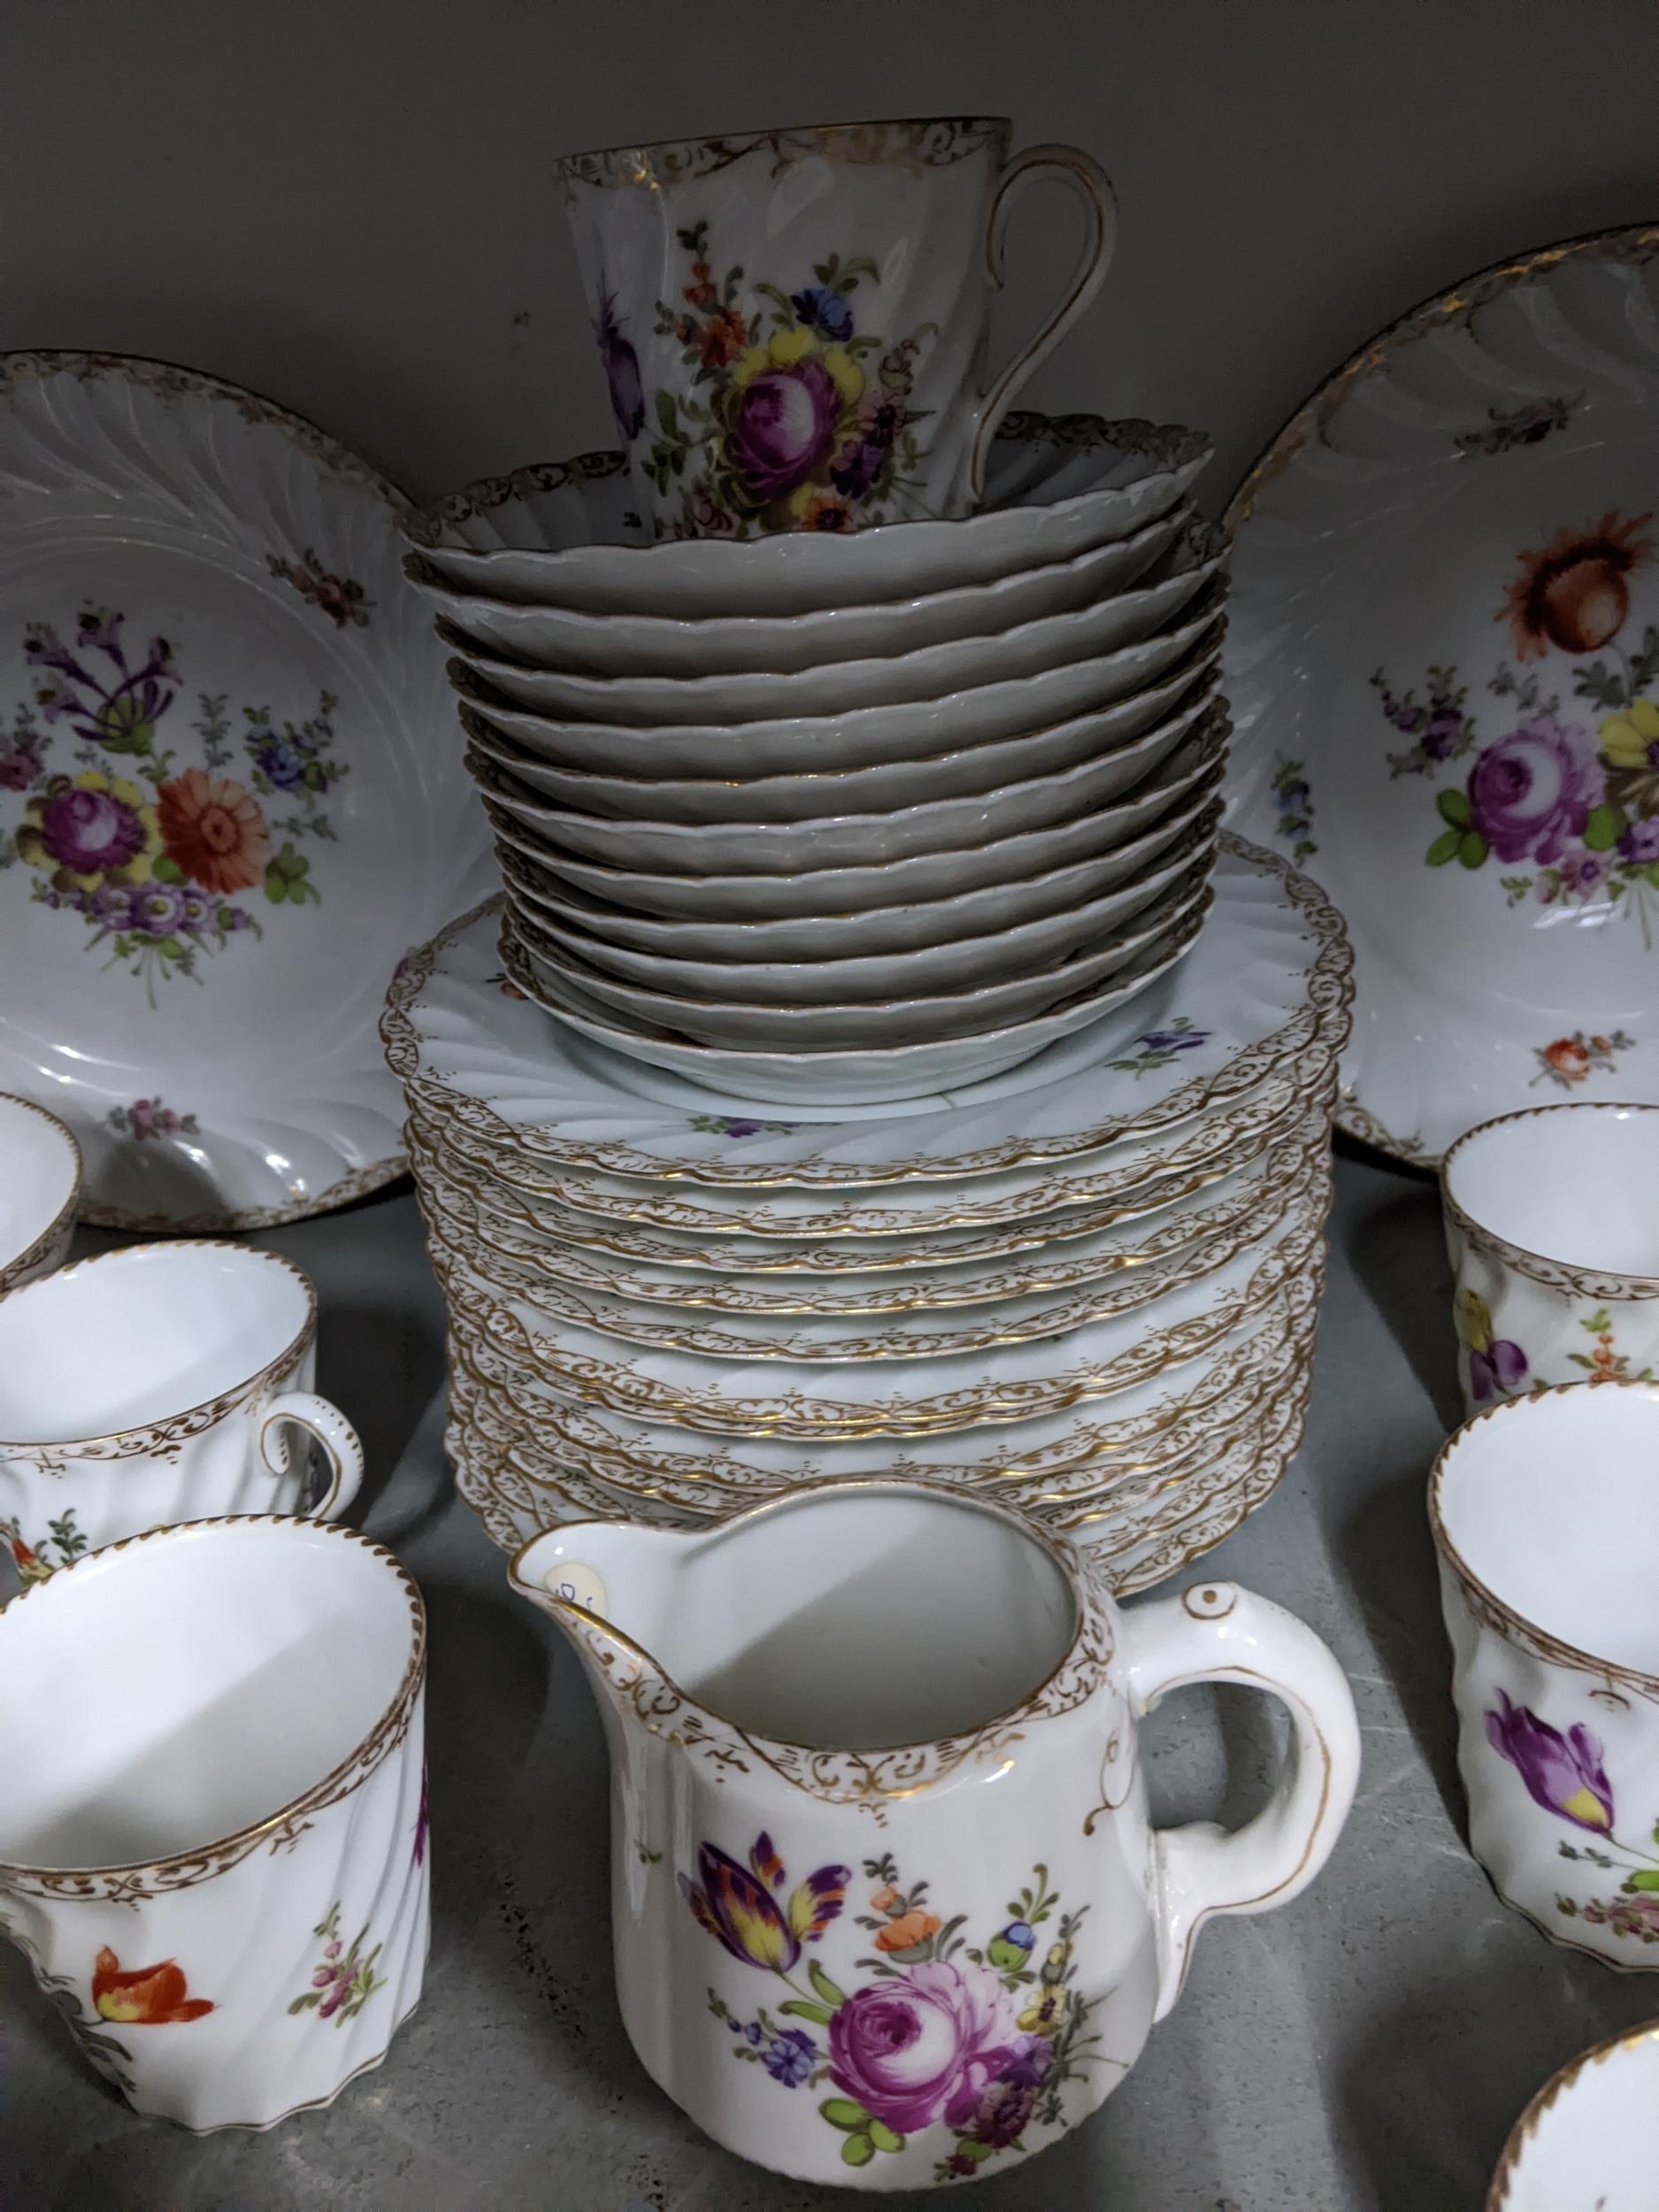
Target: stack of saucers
[[846, 819], [1088, 1288]]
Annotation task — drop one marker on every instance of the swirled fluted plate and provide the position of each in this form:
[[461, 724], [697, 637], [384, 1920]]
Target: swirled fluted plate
[[231, 791], [1443, 665], [1264, 991]]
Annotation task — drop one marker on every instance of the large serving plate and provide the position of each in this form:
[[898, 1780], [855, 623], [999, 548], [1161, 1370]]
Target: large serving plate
[[1054, 486], [1263, 996], [645, 644], [227, 800], [1444, 666]]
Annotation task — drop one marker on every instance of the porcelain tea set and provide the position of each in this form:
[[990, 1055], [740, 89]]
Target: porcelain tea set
[[880, 1224]]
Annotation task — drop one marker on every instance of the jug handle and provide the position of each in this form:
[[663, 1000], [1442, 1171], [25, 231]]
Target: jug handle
[[1216, 1632]]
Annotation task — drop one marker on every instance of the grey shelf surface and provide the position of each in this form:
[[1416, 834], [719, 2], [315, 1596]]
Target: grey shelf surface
[[1366, 2050]]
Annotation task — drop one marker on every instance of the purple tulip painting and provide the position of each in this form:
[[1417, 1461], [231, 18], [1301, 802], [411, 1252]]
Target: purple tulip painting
[[978, 2043], [1564, 1774]]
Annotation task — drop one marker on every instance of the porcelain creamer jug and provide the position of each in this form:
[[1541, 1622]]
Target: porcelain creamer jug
[[887, 1906]]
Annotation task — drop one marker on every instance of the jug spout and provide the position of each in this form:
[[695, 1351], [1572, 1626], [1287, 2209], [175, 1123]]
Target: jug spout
[[612, 1588]]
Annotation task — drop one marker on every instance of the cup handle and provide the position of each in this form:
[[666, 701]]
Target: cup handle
[[335, 1434], [1068, 166], [1216, 1632]]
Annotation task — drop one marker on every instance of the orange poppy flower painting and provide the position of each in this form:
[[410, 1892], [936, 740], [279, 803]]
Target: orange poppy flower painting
[[150, 1997]]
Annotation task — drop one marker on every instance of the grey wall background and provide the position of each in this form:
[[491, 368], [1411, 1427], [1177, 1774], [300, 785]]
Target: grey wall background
[[347, 203]]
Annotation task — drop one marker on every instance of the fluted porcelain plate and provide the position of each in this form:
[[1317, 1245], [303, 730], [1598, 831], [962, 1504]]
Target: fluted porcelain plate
[[1443, 661], [656, 645], [1263, 992], [1055, 486], [228, 797]]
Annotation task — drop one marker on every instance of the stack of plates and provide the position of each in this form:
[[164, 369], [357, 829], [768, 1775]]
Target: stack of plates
[[846, 819], [1088, 1288]]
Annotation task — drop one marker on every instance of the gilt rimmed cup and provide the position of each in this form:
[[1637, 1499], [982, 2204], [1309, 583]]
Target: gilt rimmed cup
[[213, 1832], [1537, 1507], [1587, 2138], [160, 1383], [794, 323], [40, 1190], [1552, 1227]]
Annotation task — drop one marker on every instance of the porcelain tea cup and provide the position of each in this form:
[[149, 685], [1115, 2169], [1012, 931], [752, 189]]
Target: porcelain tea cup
[[1552, 1225], [879, 1826], [1536, 1507], [159, 1383], [213, 1830], [40, 1189], [1589, 2137], [793, 323]]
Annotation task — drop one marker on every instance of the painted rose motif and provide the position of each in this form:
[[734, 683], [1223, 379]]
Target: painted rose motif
[[148, 1118], [793, 417], [152, 1997], [1530, 794], [153, 857], [1571, 808], [978, 2043], [1568, 1061], [1293, 801], [926, 2045], [341, 598]]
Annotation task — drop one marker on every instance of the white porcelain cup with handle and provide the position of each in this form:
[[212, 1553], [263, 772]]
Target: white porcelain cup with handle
[[794, 323], [160, 1383], [213, 1828]]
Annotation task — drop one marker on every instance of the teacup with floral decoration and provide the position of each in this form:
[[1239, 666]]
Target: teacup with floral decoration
[[213, 1832], [1538, 1507], [889, 1909], [1552, 1225], [794, 323], [160, 1383]]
